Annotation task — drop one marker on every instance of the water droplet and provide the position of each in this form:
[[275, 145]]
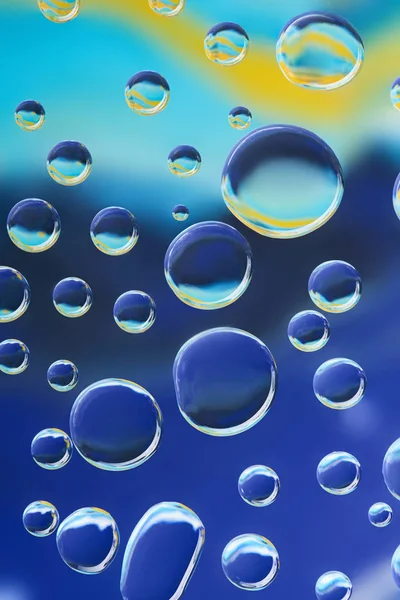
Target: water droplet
[[335, 286], [282, 181], [164, 526], [339, 383], [240, 117], [339, 473], [114, 231], [30, 115], [319, 50], [115, 424], [258, 485], [391, 469], [147, 93], [14, 357], [396, 566], [226, 44], [51, 449], [167, 8], [134, 312], [33, 225], [250, 562], [309, 331], [395, 93], [180, 212], [69, 163], [380, 514], [88, 540], [15, 294], [72, 297], [62, 375], [40, 518], [184, 161], [208, 265], [396, 196], [225, 381], [333, 585], [60, 11]]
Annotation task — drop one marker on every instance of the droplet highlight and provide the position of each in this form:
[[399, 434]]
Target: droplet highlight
[[180, 212], [339, 383], [51, 449], [114, 231], [259, 485], [69, 163], [335, 286], [72, 297], [40, 518], [226, 44], [333, 585], [167, 8], [250, 562], [62, 375], [14, 357], [309, 331], [15, 294], [147, 93], [380, 514], [339, 473], [33, 225], [239, 117], [391, 469], [184, 161], [30, 115]]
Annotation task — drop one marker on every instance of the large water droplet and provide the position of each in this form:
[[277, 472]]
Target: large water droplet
[[258, 485], [333, 585], [134, 311], [380, 514], [282, 181], [184, 161], [391, 469], [69, 163], [15, 294], [309, 331], [40, 518], [33, 225], [168, 540], [339, 473], [60, 11], [225, 381], [239, 117], [250, 562], [62, 375], [30, 115], [147, 93], [114, 231], [335, 286], [339, 383], [226, 44], [72, 297], [167, 8], [51, 449], [14, 356]]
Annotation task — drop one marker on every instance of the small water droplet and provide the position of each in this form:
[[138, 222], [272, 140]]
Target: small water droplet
[[180, 212], [15, 294], [40, 518], [333, 585], [339, 473], [69, 163], [250, 562], [60, 11], [167, 8], [147, 93], [259, 485], [391, 469], [72, 297], [335, 286], [240, 117], [309, 331], [62, 375], [30, 115], [226, 44], [134, 312], [33, 225], [184, 161], [114, 231], [339, 383], [14, 357], [395, 93], [51, 449], [380, 514]]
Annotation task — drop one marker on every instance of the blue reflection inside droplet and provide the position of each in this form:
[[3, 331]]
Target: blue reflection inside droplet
[[14, 356], [339, 383], [33, 225], [69, 163], [335, 286], [380, 514], [333, 585], [308, 331], [114, 230], [339, 473], [391, 469], [40, 518], [51, 448], [134, 311], [62, 375], [258, 485], [72, 297], [15, 294], [147, 92], [250, 562]]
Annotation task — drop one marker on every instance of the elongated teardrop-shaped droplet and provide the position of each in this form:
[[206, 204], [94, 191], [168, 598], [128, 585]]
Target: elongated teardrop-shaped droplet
[[167, 541], [14, 357], [40, 518], [30, 115], [33, 225], [15, 294], [250, 562]]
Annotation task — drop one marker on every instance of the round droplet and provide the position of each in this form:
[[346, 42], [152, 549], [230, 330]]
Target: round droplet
[[60, 11], [339, 473], [225, 381], [72, 297], [380, 514], [33, 225], [395, 93], [15, 294], [333, 585], [180, 212], [319, 50], [40, 518], [134, 312], [339, 383], [69, 163], [62, 375], [114, 231], [335, 286], [184, 161], [88, 540], [226, 44], [51, 449], [209, 265], [239, 117], [309, 331], [14, 357], [282, 181], [115, 424], [258, 485], [167, 8], [250, 562], [30, 115], [147, 93], [391, 469]]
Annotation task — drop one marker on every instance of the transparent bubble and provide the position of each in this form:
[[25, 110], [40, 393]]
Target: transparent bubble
[[339, 473], [168, 541], [184, 161], [180, 212], [259, 485], [60, 11], [309, 331], [33, 225], [319, 50], [69, 163], [391, 469], [72, 297], [282, 181], [339, 383], [88, 540], [225, 381], [209, 265], [395, 93], [333, 585], [114, 231], [15, 294], [30, 115], [40, 518], [250, 562], [14, 357], [240, 117], [226, 44], [380, 514], [115, 424], [51, 449], [62, 375], [134, 311], [335, 286], [147, 93], [167, 8]]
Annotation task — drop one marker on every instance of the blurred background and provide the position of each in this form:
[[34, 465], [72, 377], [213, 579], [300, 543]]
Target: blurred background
[[78, 71]]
